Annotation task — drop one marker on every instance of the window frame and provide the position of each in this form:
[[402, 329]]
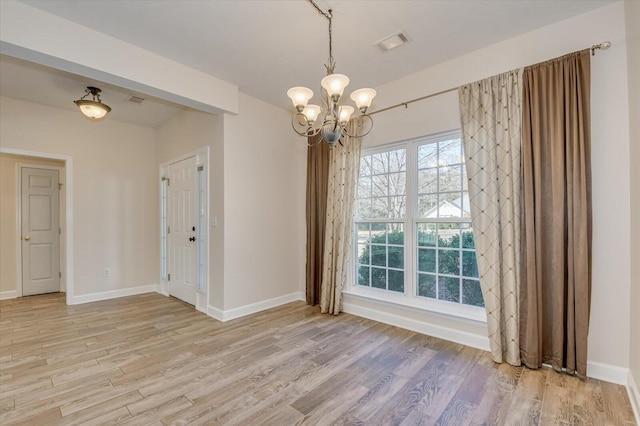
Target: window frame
[[411, 220]]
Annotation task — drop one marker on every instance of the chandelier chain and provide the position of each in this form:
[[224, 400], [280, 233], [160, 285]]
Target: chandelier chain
[[329, 15]]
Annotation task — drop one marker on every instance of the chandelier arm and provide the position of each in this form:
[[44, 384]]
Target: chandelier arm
[[316, 143], [310, 131], [344, 128]]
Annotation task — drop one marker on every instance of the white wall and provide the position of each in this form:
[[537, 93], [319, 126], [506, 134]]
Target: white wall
[[115, 190], [632, 15], [264, 204], [610, 317]]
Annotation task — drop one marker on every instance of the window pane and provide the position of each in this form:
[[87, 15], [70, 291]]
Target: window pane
[[397, 183], [396, 281], [363, 275], [449, 262], [397, 160], [428, 155], [467, 236], [397, 207], [396, 257], [426, 260], [364, 187], [363, 254], [450, 179], [379, 163], [380, 186], [471, 293], [449, 235], [469, 264], [364, 208], [450, 205], [465, 181], [427, 181], [395, 233], [378, 255], [450, 153], [427, 234], [428, 206], [379, 278], [365, 166], [380, 208], [427, 285], [363, 233], [449, 289]]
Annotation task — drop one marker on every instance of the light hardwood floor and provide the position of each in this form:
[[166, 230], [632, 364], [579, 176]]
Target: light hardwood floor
[[150, 359]]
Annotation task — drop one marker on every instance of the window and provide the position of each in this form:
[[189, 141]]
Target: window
[[413, 225]]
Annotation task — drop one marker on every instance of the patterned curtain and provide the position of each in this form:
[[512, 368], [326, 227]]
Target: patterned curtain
[[344, 170], [490, 115]]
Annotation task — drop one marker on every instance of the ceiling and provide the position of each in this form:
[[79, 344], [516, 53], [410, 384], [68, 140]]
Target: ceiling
[[266, 47]]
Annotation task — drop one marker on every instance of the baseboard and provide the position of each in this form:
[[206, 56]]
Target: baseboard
[[8, 294], [241, 311], [113, 294], [445, 333], [607, 372], [634, 396]]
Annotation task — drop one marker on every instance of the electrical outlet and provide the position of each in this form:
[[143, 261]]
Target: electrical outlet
[[106, 273]]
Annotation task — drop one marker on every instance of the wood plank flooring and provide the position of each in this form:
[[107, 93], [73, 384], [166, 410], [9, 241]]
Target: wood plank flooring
[[152, 360]]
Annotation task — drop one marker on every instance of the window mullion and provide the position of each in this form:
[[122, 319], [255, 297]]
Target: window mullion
[[410, 227]]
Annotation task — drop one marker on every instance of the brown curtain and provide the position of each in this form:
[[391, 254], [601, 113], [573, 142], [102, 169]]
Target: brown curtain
[[317, 179], [555, 289]]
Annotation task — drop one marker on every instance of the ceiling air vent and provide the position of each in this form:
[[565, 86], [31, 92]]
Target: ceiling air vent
[[135, 99], [392, 41]]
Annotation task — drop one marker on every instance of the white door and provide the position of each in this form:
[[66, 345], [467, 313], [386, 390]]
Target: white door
[[40, 216], [182, 221]]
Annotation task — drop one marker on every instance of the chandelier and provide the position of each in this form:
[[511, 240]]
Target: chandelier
[[336, 117], [93, 109]]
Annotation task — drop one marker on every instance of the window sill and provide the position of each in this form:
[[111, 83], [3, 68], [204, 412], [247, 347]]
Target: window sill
[[473, 313]]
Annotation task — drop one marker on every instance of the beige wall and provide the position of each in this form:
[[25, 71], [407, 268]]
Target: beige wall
[[257, 192], [609, 331], [8, 217], [264, 204], [115, 191], [188, 132], [632, 14]]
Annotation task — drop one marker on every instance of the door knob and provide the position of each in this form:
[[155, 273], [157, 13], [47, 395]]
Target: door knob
[[27, 238]]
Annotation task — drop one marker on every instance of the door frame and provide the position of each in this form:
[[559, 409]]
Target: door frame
[[66, 237], [202, 159], [61, 196]]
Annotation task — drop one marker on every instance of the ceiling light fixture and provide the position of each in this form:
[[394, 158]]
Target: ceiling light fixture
[[93, 109], [336, 117]]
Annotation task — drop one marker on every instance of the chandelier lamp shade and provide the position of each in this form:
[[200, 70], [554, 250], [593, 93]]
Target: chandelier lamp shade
[[93, 109], [309, 120]]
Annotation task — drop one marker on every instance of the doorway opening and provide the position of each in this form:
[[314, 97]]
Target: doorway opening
[[13, 274]]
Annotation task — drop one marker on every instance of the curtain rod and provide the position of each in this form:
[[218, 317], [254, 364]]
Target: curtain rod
[[604, 46]]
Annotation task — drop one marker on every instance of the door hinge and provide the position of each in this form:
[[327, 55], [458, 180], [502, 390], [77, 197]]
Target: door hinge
[[168, 277], [200, 168], [59, 187], [168, 182], [168, 229], [59, 231], [59, 274]]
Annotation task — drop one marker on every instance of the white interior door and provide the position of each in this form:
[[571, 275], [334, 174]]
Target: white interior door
[[182, 221], [40, 217]]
